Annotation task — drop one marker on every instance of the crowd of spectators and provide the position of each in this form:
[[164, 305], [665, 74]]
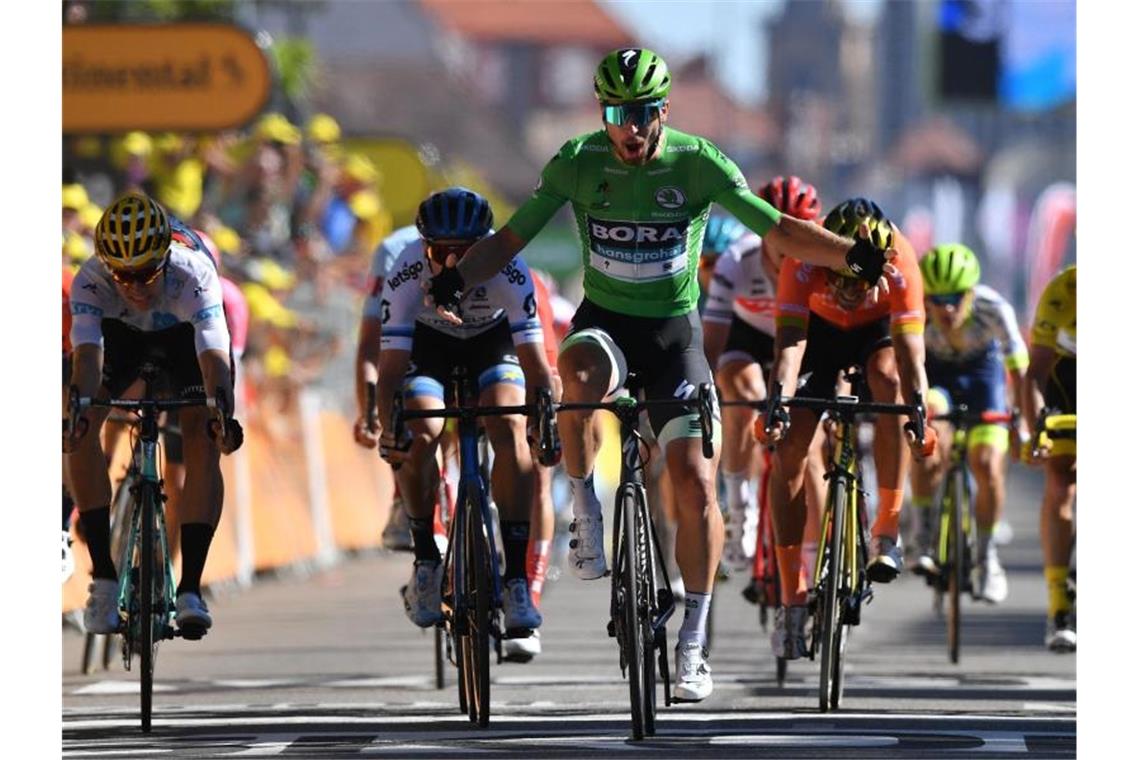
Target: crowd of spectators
[[294, 216]]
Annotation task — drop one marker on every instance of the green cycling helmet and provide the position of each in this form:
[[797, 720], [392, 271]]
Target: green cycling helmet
[[845, 219], [949, 268], [632, 74]]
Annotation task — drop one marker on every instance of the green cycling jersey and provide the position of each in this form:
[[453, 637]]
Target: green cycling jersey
[[641, 227]]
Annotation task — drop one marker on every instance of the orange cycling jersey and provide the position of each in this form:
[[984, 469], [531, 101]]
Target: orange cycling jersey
[[805, 289]]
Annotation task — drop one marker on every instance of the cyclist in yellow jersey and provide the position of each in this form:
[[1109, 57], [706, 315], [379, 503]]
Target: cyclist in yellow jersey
[[1051, 382]]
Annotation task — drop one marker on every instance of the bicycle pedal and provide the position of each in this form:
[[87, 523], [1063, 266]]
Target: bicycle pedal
[[611, 629], [751, 593]]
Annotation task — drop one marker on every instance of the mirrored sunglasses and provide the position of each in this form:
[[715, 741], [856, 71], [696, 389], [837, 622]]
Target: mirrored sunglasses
[[638, 114], [439, 252]]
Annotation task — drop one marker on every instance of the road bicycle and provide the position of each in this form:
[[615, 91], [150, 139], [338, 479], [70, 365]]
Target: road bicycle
[[956, 550], [472, 586], [641, 598], [840, 586], [146, 573]]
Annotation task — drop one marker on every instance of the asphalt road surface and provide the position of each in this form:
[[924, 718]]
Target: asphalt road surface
[[325, 665]]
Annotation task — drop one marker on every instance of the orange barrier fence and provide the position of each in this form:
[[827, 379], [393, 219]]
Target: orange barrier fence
[[278, 520]]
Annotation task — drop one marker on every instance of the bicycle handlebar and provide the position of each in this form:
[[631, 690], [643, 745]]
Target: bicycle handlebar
[[703, 401]]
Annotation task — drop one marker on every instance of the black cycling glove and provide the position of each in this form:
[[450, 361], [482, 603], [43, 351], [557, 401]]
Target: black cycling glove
[[446, 288], [865, 260]]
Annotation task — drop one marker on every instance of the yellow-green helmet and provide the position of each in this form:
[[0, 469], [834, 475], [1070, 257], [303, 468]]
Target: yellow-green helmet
[[845, 219], [632, 74], [948, 269]]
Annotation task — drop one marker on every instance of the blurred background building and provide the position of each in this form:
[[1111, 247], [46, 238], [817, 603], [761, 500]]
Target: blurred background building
[[957, 116]]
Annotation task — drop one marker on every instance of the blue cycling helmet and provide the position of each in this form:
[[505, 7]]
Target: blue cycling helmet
[[720, 233], [454, 214]]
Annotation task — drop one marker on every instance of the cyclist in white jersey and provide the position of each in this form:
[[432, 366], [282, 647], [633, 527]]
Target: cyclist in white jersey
[[397, 535], [739, 323], [972, 339], [145, 297], [500, 343]]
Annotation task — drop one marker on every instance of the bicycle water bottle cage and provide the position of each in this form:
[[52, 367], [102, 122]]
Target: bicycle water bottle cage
[[625, 401], [846, 399]]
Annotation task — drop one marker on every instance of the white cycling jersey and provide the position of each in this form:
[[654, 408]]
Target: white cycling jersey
[[740, 286], [398, 302], [991, 326], [191, 293]]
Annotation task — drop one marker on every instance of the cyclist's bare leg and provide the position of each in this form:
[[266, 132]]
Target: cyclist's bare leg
[[201, 505], [787, 497], [585, 370], [512, 473], [815, 493], [419, 475], [988, 467], [541, 531], [924, 477], [740, 381], [1057, 510], [890, 453], [700, 533]]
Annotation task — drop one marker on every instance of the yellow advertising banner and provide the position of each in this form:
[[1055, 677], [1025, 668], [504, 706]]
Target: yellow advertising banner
[[178, 77]]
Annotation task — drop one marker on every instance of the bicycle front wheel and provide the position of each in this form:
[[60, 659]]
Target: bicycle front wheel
[[633, 634], [955, 571], [149, 607], [644, 581], [479, 618], [832, 636]]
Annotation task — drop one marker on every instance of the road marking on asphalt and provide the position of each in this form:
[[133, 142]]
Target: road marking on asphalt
[[118, 687]]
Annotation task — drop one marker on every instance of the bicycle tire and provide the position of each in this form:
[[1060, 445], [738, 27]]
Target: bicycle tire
[[781, 671], [632, 632], [645, 573], [440, 656], [954, 573], [146, 648], [89, 641], [461, 680], [479, 618], [832, 615]]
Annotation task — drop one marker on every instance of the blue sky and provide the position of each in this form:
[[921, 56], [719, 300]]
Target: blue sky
[[728, 29]]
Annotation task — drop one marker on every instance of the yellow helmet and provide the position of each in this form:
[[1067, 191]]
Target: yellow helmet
[[323, 128], [846, 218], [133, 235]]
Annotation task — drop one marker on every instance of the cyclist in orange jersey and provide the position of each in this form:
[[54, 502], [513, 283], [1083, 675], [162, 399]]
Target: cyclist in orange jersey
[[827, 321]]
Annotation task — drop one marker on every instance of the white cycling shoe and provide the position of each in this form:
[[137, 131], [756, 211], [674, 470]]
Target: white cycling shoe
[[101, 615], [422, 595], [68, 557], [192, 616], [887, 561], [989, 581], [694, 676], [587, 548], [736, 555], [522, 649]]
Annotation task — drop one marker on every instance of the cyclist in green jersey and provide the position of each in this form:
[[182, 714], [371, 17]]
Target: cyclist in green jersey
[[641, 193]]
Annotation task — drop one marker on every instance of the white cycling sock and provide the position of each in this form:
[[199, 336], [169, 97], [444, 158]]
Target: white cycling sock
[[696, 618], [583, 499], [736, 485]]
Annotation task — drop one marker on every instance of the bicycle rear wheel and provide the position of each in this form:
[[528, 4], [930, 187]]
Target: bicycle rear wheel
[[479, 618], [832, 636], [955, 570], [631, 630]]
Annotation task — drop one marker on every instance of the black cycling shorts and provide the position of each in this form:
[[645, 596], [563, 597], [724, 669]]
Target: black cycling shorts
[[666, 353], [1061, 390], [746, 343], [488, 358], [126, 349], [831, 349]]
